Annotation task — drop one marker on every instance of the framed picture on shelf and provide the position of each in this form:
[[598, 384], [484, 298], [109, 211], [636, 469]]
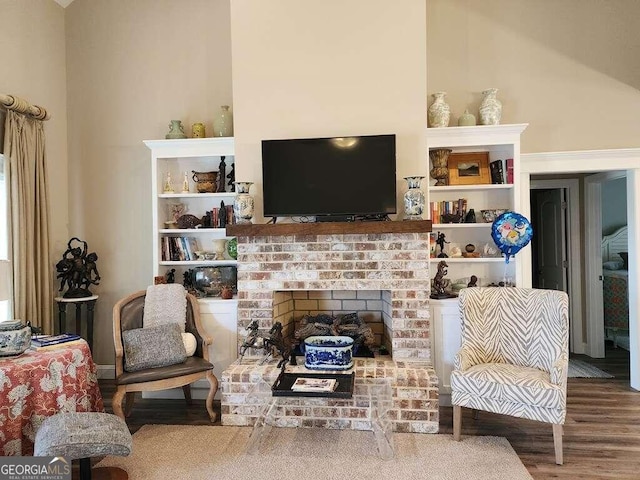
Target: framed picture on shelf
[[470, 168]]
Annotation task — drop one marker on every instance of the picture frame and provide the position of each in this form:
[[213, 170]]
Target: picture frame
[[471, 168]]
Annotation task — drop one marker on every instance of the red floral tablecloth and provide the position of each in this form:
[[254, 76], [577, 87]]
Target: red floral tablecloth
[[36, 385]]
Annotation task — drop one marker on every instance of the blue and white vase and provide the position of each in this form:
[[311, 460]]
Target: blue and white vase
[[326, 352], [413, 199], [243, 205]]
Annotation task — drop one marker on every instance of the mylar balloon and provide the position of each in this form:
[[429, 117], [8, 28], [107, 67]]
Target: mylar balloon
[[511, 231]]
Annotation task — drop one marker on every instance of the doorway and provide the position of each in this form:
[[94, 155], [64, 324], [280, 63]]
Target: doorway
[[556, 248]]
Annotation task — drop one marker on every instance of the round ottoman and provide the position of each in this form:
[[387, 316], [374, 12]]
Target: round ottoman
[[82, 436]]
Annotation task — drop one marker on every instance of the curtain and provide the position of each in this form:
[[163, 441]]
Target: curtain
[[29, 220]]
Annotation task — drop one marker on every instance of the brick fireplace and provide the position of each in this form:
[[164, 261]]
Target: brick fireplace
[[381, 271]]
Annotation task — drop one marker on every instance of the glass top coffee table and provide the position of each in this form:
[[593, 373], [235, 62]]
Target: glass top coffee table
[[374, 394]]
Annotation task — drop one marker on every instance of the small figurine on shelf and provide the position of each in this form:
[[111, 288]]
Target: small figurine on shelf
[[185, 183], [222, 215], [440, 242], [168, 186], [439, 283], [232, 177], [222, 175], [171, 276], [473, 281]]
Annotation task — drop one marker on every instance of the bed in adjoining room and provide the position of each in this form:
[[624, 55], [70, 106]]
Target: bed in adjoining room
[[615, 272]]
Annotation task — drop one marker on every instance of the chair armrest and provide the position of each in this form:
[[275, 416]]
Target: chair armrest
[[464, 359], [559, 369]]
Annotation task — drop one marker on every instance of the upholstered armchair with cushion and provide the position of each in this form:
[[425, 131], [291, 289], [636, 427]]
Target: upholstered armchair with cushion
[[155, 357], [514, 356]]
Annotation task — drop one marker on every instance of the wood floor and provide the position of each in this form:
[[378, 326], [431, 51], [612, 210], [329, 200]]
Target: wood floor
[[601, 433]]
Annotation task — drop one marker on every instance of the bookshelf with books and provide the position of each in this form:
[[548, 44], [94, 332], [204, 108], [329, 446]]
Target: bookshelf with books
[[186, 244], [464, 212], [502, 142]]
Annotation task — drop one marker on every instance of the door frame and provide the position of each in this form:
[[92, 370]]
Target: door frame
[[574, 254], [593, 259], [592, 161]]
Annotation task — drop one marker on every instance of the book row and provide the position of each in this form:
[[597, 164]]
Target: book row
[[179, 249], [498, 169]]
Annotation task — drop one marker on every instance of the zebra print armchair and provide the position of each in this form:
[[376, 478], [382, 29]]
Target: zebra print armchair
[[514, 356]]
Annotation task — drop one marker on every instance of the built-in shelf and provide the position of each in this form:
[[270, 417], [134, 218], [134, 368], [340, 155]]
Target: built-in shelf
[[461, 225], [328, 228], [461, 188], [202, 263], [198, 195], [468, 260], [183, 231]]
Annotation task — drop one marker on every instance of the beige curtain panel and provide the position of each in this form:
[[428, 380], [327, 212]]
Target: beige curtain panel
[[29, 217]]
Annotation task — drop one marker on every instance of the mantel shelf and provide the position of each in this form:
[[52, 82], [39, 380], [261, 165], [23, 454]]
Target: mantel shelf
[[328, 228]]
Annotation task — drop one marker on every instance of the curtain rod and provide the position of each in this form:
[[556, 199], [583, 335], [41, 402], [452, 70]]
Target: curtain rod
[[20, 105]]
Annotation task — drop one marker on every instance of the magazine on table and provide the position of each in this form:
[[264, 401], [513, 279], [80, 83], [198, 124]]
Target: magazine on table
[[46, 340], [305, 384]]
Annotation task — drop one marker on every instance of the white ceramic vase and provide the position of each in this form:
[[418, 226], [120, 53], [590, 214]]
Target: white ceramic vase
[[413, 199], [223, 123], [243, 204], [439, 112], [490, 108]]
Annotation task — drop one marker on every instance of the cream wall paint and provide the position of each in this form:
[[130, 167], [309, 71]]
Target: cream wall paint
[[331, 68], [32, 42], [132, 67], [570, 69]]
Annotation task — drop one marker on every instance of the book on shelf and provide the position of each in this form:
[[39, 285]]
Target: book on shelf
[[509, 163], [47, 340], [305, 384], [497, 172], [179, 249]]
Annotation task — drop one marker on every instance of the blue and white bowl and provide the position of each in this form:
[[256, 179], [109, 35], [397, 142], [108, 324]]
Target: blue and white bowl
[[15, 338], [326, 352]]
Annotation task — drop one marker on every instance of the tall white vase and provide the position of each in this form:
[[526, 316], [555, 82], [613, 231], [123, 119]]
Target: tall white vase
[[439, 112], [490, 108], [243, 204]]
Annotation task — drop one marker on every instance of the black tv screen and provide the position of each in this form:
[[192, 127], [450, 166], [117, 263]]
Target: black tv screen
[[339, 176]]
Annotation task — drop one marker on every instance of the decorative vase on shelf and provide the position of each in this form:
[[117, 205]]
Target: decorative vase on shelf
[[413, 199], [439, 169], [223, 123], [175, 130], [243, 205], [490, 108], [467, 119], [439, 112]]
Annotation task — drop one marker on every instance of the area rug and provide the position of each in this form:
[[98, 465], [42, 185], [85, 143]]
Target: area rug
[[580, 369], [217, 452]]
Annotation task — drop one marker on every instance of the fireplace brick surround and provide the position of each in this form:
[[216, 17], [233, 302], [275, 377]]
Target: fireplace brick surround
[[278, 262]]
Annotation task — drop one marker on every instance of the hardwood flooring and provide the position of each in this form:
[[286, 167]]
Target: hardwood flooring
[[601, 433]]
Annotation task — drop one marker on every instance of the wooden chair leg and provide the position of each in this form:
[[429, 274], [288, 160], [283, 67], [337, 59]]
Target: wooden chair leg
[[187, 394], [457, 422], [128, 406], [557, 443], [213, 381], [116, 402]]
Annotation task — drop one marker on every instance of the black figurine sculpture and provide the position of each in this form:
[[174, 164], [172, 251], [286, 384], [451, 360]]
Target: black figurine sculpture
[[77, 270], [473, 281], [440, 241], [171, 276], [270, 340], [222, 215], [221, 175], [439, 284], [232, 177]]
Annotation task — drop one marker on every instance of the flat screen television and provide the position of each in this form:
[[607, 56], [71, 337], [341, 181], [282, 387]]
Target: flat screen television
[[339, 178]]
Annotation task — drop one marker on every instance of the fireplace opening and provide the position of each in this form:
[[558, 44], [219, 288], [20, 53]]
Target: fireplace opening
[[364, 315]]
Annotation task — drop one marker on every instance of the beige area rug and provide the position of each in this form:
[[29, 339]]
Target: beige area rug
[[217, 453]]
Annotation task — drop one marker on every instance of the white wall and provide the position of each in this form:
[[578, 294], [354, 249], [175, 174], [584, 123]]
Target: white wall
[[570, 69], [132, 67], [330, 68], [614, 205]]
